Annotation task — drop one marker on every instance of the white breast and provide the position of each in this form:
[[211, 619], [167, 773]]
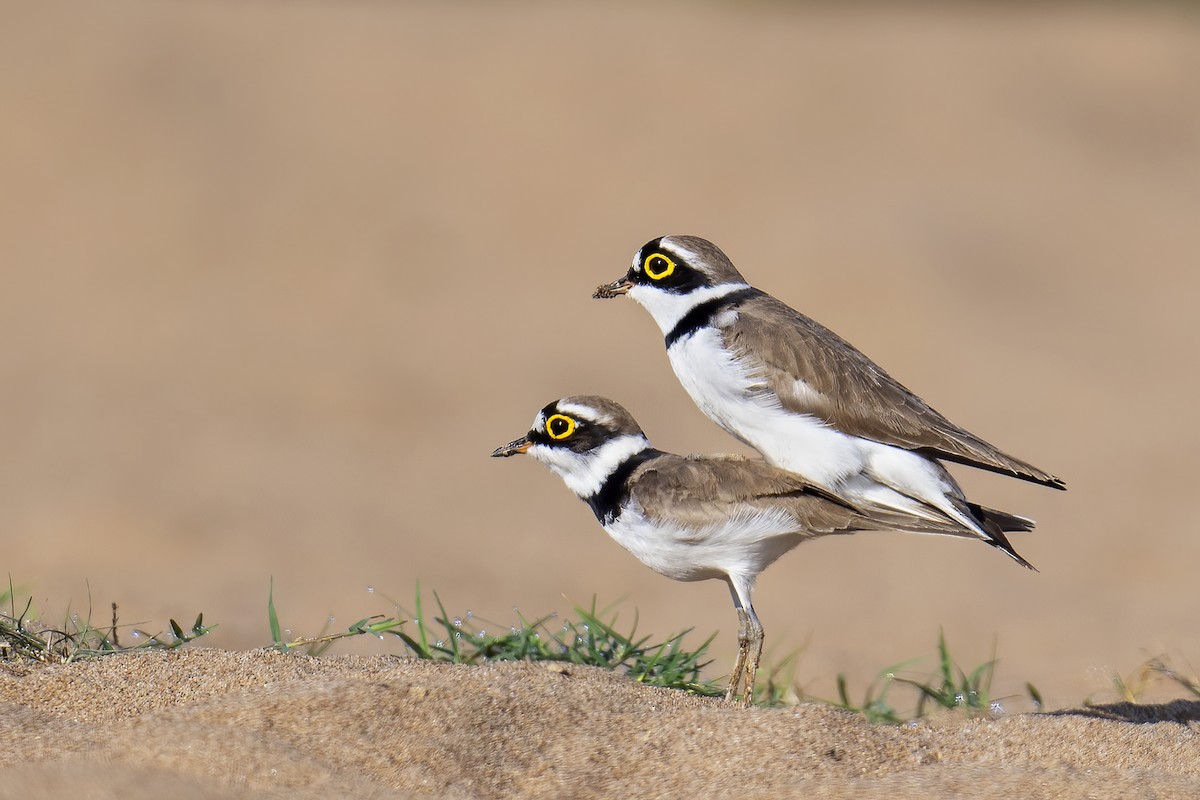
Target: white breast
[[729, 393]]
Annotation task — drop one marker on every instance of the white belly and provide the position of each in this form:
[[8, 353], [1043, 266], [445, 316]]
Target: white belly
[[737, 546]]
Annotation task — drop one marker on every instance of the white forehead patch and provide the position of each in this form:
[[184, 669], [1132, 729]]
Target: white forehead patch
[[584, 412], [539, 422], [670, 244]]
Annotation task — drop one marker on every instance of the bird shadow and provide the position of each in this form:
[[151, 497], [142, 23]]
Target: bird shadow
[[1182, 712]]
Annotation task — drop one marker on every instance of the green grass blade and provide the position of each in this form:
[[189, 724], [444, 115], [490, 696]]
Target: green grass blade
[[273, 618], [419, 621], [452, 632]]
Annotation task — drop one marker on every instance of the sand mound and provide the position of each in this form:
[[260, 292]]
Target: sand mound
[[208, 723]]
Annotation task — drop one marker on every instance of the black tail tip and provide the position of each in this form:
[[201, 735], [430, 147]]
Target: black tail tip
[[1015, 556], [1003, 544]]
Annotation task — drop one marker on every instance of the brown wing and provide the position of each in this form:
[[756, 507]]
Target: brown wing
[[852, 393], [699, 493]]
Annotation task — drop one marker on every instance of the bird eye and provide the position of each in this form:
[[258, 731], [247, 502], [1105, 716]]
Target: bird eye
[[560, 427], [658, 266]]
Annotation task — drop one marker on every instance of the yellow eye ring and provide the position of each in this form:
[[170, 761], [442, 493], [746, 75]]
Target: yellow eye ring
[[555, 431], [662, 273]]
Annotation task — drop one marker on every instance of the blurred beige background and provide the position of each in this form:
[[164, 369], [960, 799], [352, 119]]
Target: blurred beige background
[[276, 278]]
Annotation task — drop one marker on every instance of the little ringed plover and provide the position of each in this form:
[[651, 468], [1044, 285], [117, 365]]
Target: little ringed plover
[[693, 518], [800, 394]]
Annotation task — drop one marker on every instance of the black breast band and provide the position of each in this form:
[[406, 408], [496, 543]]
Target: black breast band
[[703, 313], [606, 503]]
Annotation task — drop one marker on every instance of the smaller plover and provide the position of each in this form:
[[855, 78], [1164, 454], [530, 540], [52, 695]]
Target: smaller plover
[[693, 518]]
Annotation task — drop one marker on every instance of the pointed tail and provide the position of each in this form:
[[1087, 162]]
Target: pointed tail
[[996, 523]]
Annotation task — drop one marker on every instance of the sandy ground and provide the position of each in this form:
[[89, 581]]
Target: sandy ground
[[277, 278], [207, 723]]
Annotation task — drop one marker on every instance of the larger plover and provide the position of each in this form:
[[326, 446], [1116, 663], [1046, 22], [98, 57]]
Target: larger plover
[[801, 395]]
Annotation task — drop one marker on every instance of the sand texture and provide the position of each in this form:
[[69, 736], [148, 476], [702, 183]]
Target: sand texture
[[207, 723]]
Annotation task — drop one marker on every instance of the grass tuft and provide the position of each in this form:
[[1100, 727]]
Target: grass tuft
[[875, 705], [25, 638], [1143, 679], [949, 687], [1191, 683], [593, 639], [953, 688], [377, 625]]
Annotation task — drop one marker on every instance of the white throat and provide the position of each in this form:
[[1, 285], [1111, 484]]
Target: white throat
[[668, 308], [585, 473]]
